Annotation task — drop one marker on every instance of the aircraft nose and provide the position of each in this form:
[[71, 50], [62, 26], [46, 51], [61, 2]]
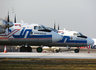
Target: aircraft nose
[[89, 41], [56, 37]]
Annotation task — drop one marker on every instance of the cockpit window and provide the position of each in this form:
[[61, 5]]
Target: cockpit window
[[43, 27], [81, 35]]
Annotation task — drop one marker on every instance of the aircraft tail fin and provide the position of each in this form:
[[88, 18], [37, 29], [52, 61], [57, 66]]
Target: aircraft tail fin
[[22, 21]]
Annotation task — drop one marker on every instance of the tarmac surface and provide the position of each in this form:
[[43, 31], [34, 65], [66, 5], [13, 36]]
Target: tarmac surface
[[48, 55]]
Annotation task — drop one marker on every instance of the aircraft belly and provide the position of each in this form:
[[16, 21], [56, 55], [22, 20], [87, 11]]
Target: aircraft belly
[[70, 45]]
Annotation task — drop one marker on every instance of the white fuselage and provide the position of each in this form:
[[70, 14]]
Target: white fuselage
[[27, 34]]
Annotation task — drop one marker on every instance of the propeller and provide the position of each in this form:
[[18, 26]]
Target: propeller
[[8, 23]]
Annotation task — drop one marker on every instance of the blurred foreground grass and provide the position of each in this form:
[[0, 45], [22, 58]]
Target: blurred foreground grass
[[47, 64]]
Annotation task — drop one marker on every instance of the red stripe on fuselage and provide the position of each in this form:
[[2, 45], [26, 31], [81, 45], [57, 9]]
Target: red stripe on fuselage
[[3, 38], [14, 32], [11, 32]]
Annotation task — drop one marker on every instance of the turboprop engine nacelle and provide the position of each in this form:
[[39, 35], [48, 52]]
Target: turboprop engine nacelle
[[2, 30], [4, 24]]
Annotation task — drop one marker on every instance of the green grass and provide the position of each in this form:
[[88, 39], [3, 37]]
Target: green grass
[[47, 64]]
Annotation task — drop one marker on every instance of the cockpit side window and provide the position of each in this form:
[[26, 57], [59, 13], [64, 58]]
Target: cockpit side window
[[39, 27]]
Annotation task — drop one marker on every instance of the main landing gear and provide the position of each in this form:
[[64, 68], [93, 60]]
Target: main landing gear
[[25, 49], [29, 49]]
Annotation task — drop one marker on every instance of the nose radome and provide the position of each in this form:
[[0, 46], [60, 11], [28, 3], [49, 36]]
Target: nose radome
[[89, 41], [56, 37]]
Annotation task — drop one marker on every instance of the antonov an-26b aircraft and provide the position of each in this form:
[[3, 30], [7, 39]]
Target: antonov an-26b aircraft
[[38, 35], [72, 39], [26, 34]]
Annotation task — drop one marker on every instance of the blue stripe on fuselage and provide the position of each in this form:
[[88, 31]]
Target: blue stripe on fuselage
[[71, 41], [23, 33]]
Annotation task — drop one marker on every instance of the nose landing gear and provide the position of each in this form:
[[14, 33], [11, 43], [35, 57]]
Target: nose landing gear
[[76, 50]]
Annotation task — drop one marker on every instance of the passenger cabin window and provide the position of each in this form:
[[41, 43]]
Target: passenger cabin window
[[75, 34], [35, 27], [31, 33]]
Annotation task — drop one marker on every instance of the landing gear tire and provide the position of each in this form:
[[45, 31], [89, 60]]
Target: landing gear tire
[[39, 49], [57, 51], [23, 49], [76, 50], [28, 49]]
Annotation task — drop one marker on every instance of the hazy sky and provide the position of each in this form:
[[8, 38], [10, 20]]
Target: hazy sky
[[77, 15]]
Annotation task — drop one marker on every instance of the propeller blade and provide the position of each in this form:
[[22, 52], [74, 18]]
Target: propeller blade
[[8, 30], [54, 26], [8, 17], [15, 19], [8, 22], [58, 26]]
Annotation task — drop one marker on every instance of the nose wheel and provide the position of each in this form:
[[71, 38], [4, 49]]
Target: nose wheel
[[76, 50], [39, 49]]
